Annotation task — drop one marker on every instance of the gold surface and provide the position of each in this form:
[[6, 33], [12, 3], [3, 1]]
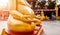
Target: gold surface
[[40, 32], [56, 10], [12, 4]]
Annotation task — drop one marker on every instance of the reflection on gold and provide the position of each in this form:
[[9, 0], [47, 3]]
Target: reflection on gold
[[23, 19]]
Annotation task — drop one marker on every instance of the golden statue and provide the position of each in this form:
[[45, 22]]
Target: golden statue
[[23, 19]]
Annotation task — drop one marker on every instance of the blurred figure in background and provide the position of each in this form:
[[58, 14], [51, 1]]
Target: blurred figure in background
[[51, 5]]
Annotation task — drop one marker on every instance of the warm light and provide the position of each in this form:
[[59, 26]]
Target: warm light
[[4, 3]]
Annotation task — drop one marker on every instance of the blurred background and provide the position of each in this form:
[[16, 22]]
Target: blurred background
[[50, 8]]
